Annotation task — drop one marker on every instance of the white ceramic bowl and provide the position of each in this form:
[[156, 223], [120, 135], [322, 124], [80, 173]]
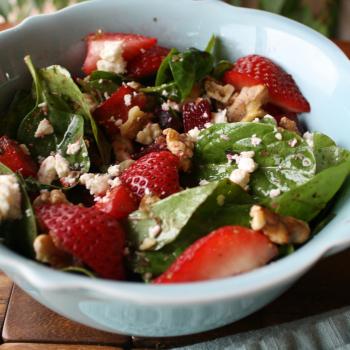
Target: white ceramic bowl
[[321, 70]]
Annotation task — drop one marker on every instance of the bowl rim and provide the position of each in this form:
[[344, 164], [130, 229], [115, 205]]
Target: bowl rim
[[261, 279]]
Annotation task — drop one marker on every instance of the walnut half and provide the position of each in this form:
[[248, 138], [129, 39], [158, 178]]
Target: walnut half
[[279, 229]]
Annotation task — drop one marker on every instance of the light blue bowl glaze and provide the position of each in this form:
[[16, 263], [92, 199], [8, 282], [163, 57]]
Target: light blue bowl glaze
[[321, 70]]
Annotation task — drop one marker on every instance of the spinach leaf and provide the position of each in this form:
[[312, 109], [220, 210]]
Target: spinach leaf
[[99, 74], [280, 166], [327, 153], [164, 72], [185, 217], [20, 234], [221, 68], [211, 44], [170, 90], [33, 185], [68, 127], [189, 67], [306, 201], [21, 105]]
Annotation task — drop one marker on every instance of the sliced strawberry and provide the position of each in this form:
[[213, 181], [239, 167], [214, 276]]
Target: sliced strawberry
[[196, 114], [133, 44], [147, 63], [283, 91], [15, 157], [114, 111], [156, 172], [88, 234], [225, 252], [119, 202]]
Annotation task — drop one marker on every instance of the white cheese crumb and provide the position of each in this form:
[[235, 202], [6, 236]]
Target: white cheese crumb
[[256, 120], [61, 166], [47, 171], [220, 116], [97, 184], [278, 136], [154, 231], [74, 148], [194, 133], [293, 142], [309, 138], [114, 182], [111, 57], [240, 177], [133, 84], [220, 199], [127, 100], [24, 149], [208, 125], [44, 128], [114, 170], [275, 193], [42, 105], [256, 141], [166, 106], [246, 164], [203, 182], [10, 198], [268, 116]]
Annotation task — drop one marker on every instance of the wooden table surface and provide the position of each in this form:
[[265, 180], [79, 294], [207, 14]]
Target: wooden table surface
[[26, 325]]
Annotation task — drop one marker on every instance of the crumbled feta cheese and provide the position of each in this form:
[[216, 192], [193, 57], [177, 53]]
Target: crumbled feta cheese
[[247, 154], [154, 231], [205, 115], [268, 116], [203, 182], [114, 182], [96, 183], [47, 171], [256, 141], [74, 148], [219, 117], [240, 177], [293, 142], [309, 138], [127, 100], [114, 170], [166, 106], [256, 120], [111, 57], [134, 85], [10, 198], [220, 199], [194, 133], [42, 105], [61, 166], [105, 95], [278, 136], [44, 128], [208, 125], [275, 193], [247, 164]]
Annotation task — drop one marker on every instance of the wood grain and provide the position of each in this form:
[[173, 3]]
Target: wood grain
[[32, 346], [29, 321], [5, 289]]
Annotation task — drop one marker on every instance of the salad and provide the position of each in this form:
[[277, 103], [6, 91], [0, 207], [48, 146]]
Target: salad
[[162, 165]]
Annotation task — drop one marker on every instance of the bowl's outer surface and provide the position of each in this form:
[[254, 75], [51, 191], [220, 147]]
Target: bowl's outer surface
[[322, 72]]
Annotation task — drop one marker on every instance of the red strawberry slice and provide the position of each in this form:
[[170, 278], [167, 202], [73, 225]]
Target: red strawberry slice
[[90, 235], [15, 157], [147, 63], [283, 91], [196, 114], [225, 252], [119, 202], [157, 172], [114, 111], [133, 44]]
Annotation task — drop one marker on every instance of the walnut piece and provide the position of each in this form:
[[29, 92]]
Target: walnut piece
[[246, 106], [122, 148], [149, 133], [137, 120], [181, 145], [47, 253], [279, 229], [218, 92], [289, 125], [52, 197]]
